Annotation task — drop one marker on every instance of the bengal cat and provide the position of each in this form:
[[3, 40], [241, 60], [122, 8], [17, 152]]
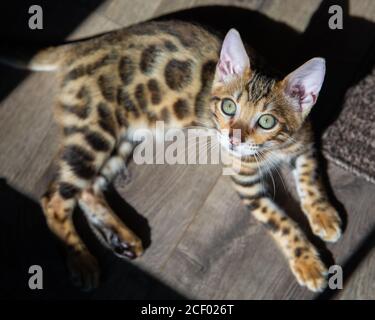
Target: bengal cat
[[183, 75]]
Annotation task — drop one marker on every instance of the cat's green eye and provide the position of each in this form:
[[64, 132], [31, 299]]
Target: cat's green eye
[[228, 107], [267, 121]]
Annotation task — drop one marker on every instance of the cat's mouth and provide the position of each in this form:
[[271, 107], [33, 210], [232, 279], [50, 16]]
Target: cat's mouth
[[243, 149]]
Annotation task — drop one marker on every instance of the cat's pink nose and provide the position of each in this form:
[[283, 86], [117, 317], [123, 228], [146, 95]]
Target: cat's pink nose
[[234, 141]]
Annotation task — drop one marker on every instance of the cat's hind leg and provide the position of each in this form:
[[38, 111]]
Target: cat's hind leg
[[77, 167], [85, 148]]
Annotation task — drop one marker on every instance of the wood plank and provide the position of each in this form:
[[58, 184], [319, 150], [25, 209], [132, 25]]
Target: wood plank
[[361, 286], [95, 24], [363, 9], [294, 13], [166, 7], [129, 12], [28, 132]]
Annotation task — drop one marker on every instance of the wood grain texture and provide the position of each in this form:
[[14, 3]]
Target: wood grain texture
[[280, 10], [169, 197], [28, 133], [362, 285]]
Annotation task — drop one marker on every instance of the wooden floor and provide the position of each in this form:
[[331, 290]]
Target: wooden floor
[[201, 242]]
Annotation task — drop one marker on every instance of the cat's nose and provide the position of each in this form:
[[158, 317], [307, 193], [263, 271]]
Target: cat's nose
[[234, 140], [237, 135]]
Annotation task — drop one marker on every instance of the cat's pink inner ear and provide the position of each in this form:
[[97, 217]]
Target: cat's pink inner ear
[[303, 85], [233, 57]]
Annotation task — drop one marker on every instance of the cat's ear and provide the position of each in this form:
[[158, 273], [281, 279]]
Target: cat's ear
[[234, 60], [303, 85]]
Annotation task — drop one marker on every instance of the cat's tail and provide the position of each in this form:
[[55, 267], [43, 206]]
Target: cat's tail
[[48, 59]]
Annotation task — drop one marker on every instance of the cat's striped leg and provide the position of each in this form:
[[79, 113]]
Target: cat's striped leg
[[83, 153], [323, 217], [109, 229], [303, 258]]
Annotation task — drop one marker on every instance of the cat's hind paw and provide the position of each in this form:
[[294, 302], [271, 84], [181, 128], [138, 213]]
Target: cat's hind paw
[[84, 270]]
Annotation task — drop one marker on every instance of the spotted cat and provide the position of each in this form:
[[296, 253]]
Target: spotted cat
[[181, 74]]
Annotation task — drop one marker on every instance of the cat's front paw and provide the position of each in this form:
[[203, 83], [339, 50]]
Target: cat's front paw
[[309, 271], [84, 270], [325, 223]]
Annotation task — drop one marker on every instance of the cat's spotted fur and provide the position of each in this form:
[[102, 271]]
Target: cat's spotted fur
[[128, 79]]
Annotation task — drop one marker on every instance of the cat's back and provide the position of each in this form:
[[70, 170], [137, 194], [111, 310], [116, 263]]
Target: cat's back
[[172, 35], [150, 68], [147, 45]]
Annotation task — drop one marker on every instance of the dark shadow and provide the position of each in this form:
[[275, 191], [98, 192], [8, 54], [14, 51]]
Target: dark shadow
[[60, 18], [273, 40], [130, 216], [26, 241], [360, 254], [349, 54]]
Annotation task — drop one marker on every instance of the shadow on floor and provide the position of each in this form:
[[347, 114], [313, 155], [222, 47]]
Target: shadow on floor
[[60, 18], [26, 241]]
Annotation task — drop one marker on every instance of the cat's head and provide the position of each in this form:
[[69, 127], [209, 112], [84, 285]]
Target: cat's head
[[255, 112]]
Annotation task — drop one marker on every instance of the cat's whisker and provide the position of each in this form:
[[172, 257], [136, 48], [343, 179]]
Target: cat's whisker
[[274, 165]]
